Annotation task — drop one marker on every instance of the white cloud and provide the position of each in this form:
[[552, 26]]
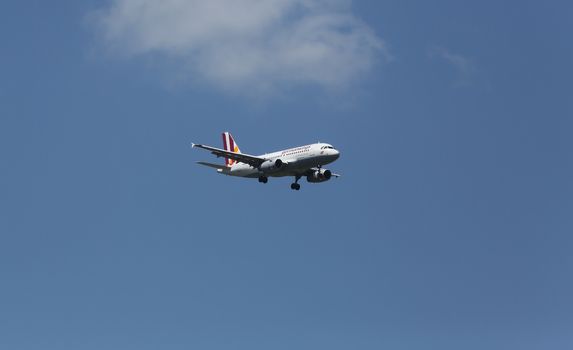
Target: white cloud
[[464, 66], [246, 44]]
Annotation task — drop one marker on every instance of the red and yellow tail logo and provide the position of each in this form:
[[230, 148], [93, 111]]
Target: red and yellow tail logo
[[230, 145]]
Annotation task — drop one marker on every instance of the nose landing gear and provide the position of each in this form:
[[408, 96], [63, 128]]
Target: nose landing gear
[[263, 179]]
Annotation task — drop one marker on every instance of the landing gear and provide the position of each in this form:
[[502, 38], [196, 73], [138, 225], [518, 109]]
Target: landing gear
[[263, 179], [295, 186]]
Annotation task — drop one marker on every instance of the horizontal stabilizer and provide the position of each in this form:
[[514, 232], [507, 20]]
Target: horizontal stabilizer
[[216, 166], [239, 157]]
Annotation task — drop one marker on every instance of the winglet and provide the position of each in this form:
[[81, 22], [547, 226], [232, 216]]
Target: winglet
[[192, 145]]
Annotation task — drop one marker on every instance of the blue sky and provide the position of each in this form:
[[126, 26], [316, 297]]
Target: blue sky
[[449, 229]]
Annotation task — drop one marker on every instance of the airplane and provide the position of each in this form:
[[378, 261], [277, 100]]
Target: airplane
[[297, 162]]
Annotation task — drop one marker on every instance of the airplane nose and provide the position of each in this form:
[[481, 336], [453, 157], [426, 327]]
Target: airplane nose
[[335, 153]]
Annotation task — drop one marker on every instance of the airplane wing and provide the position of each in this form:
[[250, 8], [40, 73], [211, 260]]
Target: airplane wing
[[239, 157]]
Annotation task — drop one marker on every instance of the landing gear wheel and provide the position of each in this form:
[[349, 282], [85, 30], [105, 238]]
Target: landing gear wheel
[[295, 185], [263, 179]]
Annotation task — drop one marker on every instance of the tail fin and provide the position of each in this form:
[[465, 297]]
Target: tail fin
[[230, 145]]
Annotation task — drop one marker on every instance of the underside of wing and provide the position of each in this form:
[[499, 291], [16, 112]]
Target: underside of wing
[[239, 157]]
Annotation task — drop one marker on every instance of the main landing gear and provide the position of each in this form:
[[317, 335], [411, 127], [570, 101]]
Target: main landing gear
[[263, 179], [295, 185]]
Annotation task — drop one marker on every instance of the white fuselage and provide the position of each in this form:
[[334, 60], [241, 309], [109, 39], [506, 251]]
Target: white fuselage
[[297, 161]]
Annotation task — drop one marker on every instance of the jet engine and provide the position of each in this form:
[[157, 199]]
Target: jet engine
[[270, 166], [319, 175]]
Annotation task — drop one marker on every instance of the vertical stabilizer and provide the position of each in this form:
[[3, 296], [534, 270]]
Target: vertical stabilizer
[[230, 145]]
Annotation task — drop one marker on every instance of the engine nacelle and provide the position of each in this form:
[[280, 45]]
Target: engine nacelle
[[270, 166], [320, 175]]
